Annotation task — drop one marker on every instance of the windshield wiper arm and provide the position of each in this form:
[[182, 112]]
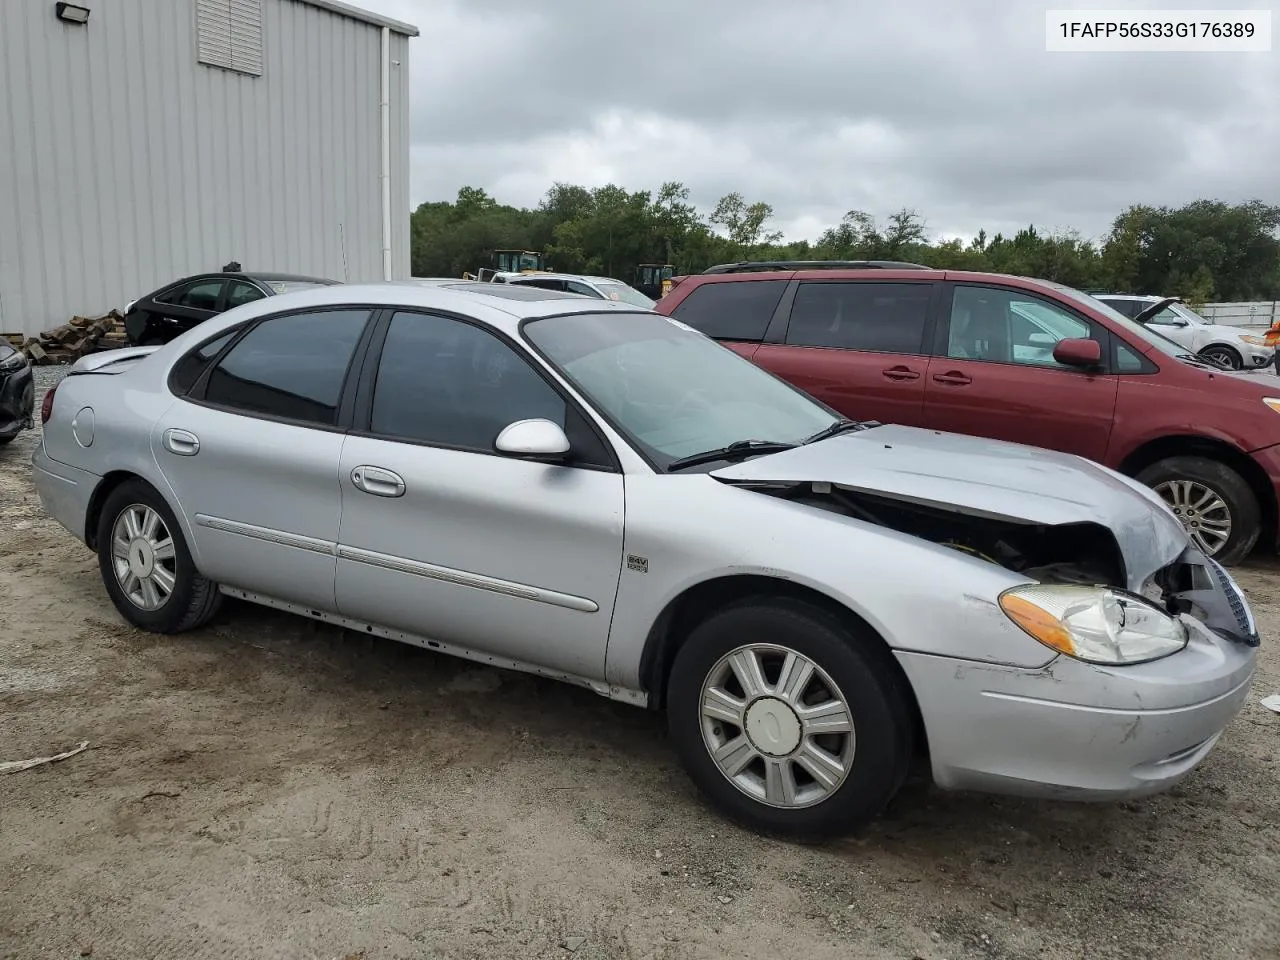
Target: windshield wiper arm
[[738, 450], [843, 425]]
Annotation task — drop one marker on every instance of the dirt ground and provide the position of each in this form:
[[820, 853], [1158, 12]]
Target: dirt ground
[[268, 787]]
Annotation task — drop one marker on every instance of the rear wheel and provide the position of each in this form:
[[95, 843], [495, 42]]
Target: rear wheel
[[1215, 504], [788, 721], [146, 566], [1223, 356]]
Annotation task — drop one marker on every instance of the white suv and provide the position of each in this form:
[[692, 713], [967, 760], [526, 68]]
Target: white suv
[[602, 288], [1233, 347]]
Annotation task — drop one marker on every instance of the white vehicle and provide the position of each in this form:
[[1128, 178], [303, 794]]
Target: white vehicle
[[602, 288], [1233, 347]]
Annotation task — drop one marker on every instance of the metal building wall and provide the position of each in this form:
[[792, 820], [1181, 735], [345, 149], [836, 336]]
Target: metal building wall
[[125, 163]]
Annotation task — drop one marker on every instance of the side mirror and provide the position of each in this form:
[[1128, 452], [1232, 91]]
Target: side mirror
[[1078, 352], [536, 439]]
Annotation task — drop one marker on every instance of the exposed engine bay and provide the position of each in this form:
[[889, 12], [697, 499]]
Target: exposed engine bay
[[1084, 553], [1074, 553]]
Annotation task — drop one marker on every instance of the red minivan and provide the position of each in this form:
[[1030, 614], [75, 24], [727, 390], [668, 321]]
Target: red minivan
[[1017, 359]]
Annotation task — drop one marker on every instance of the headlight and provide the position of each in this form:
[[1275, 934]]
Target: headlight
[[14, 361], [1256, 341], [1273, 403], [1094, 624]]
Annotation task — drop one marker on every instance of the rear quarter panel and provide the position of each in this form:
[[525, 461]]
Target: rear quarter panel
[[125, 408]]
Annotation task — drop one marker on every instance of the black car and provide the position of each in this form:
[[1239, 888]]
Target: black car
[[17, 392], [177, 307]]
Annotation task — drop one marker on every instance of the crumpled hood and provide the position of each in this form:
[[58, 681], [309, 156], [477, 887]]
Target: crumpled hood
[[991, 478]]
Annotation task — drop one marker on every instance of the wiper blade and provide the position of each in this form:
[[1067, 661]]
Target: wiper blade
[[843, 425], [738, 450]]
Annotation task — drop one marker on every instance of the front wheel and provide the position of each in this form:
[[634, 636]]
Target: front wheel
[[1223, 356], [1216, 506], [146, 566], [787, 721]]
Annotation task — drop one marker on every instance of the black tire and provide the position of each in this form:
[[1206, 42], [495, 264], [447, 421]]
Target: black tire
[[1242, 503], [193, 600], [4, 440], [1224, 356], [872, 687]]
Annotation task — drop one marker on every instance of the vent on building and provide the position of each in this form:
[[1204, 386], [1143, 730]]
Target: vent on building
[[229, 34]]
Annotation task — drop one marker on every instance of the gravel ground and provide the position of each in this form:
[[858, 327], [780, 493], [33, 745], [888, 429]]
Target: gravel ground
[[269, 787]]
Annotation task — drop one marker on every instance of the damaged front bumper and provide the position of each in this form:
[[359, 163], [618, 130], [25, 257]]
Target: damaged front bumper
[[1075, 730]]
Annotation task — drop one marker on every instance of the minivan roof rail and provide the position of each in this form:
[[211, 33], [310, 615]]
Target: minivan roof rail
[[751, 266]]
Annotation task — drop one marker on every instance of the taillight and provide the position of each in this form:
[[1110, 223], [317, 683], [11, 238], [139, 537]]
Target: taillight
[[46, 405]]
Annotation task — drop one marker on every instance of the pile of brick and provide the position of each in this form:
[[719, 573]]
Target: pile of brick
[[71, 341]]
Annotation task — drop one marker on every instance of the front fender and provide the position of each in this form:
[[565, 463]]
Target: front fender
[[916, 595]]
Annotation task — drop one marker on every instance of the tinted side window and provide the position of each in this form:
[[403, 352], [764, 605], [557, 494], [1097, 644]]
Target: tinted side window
[[242, 292], [883, 317], [291, 367], [199, 296], [573, 286], [1126, 360], [541, 284], [1130, 308], [187, 371], [733, 309], [1005, 326], [446, 382]]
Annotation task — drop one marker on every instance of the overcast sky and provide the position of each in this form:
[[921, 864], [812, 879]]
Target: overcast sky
[[952, 107]]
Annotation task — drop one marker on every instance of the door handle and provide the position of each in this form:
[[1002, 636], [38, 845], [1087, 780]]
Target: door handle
[[184, 443], [954, 377], [377, 481], [900, 373]]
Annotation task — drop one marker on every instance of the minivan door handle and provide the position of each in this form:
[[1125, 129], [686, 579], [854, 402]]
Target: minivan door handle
[[184, 443], [900, 373], [377, 481], [954, 377]]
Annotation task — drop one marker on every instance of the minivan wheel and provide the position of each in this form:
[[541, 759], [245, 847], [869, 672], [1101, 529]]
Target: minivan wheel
[[1224, 356], [146, 566], [788, 721], [1215, 504]]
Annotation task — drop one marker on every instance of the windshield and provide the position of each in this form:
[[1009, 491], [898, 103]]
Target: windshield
[[615, 290], [672, 391], [1139, 330]]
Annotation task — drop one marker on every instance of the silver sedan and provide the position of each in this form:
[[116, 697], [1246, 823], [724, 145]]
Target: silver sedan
[[592, 492]]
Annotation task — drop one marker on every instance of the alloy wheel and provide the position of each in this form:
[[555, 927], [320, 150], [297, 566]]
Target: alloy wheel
[[777, 726], [1203, 512], [143, 557]]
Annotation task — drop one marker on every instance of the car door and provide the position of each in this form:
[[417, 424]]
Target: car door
[[251, 452], [180, 310], [858, 346], [1169, 324], [444, 538], [994, 374], [735, 313]]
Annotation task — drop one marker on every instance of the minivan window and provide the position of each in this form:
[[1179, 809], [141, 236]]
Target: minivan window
[[875, 316], [733, 309]]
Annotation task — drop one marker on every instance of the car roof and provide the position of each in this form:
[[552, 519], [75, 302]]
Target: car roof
[[496, 304], [280, 277], [559, 276]]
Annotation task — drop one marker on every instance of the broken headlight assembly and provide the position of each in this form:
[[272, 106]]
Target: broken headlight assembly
[[1094, 624]]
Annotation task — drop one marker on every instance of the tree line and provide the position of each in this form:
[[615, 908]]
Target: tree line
[[1204, 251]]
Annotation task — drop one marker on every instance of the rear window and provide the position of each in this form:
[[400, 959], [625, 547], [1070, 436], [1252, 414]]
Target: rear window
[[733, 309]]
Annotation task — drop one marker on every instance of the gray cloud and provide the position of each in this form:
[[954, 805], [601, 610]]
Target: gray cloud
[[820, 106]]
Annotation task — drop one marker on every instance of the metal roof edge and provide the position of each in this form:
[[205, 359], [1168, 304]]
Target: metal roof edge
[[357, 13]]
